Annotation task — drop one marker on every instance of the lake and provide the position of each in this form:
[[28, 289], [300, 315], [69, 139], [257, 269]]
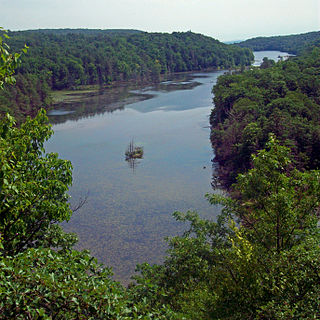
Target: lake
[[274, 55], [129, 206]]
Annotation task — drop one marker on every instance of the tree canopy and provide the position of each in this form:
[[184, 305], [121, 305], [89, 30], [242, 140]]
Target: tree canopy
[[258, 260], [283, 99], [33, 184], [8, 61], [99, 57]]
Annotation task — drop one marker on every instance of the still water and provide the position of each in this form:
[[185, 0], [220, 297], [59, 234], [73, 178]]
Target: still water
[[274, 55], [129, 207], [129, 210]]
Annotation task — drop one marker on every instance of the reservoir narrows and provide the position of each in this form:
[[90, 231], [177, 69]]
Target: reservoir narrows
[[128, 211]]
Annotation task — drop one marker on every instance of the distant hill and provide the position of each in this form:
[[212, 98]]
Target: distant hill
[[293, 44]]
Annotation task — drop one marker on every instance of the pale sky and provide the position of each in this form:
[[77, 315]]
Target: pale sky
[[221, 19]]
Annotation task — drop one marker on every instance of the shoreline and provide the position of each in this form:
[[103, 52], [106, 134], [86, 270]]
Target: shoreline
[[85, 91]]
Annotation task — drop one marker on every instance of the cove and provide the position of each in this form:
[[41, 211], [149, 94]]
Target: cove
[[128, 211]]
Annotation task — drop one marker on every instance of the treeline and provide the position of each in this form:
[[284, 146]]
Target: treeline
[[69, 59], [293, 44], [283, 99], [29, 93], [110, 32]]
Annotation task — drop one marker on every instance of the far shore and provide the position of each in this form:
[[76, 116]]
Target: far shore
[[83, 91]]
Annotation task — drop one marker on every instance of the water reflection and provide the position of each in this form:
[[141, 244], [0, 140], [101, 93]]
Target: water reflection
[[129, 209], [133, 163], [93, 104], [109, 100]]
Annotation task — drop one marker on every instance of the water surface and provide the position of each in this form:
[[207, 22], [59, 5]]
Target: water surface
[[274, 55], [129, 210]]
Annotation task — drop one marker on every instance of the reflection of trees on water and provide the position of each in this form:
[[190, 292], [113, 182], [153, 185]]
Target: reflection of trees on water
[[89, 106], [133, 163], [86, 105], [81, 112]]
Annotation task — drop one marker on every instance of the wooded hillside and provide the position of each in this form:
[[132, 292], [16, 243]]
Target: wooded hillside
[[98, 57], [293, 44], [283, 99]]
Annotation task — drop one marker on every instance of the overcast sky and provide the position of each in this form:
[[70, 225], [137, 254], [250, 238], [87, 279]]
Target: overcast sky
[[222, 19]]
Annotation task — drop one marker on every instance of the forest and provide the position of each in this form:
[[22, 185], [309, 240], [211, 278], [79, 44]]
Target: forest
[[283, 99], [67, 59], [258, 260], [293, 44]]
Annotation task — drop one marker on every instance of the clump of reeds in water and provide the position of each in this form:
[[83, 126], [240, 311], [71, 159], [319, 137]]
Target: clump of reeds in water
[[134, 152]]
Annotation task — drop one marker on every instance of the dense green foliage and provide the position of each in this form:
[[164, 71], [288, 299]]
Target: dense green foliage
[[29, 93], [294, 44], [96, 57], [8, 61], [260, 260], [45, 284], [33, 184], [283, 99]]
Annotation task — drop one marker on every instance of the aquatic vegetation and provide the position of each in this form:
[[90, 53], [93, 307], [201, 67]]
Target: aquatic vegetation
[[134, 152]]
